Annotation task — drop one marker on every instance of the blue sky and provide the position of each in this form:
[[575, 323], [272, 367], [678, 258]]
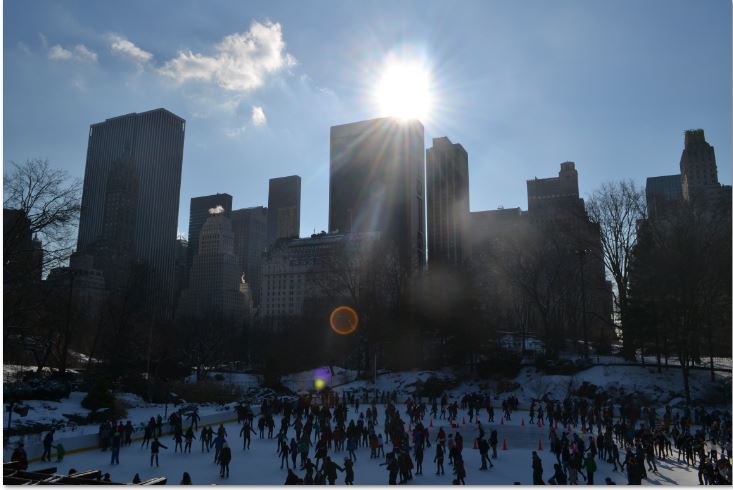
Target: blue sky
[[523, 85]]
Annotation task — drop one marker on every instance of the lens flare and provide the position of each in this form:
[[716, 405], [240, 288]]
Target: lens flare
[[344, 320]]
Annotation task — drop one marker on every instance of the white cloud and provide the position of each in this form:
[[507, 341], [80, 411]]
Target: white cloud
[[81, 54], [23, 47], [241, 62], [57, 53], [258, 116], [44, 40], [120, 45]]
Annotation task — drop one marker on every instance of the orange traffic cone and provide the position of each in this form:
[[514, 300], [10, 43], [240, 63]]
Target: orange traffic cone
[[539, 444], [504, 447], [475, 443], [502, 421], [522, 421]]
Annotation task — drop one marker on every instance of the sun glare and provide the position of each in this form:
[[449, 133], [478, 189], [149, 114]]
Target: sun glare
[[404, 90]]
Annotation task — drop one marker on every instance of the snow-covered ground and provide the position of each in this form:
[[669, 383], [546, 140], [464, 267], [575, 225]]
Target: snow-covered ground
[[261, 465]]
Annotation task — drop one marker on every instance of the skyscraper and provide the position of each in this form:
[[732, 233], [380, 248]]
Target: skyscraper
[[698, 168], [250, 240], [448, 208], [556, 199], [215, 285], [283, 208], [377, 183], [152, 145], [198, 215], [661, 192]]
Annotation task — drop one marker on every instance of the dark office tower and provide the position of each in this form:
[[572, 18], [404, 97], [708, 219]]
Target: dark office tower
[[198, 215], [697, 165], [181, 267], [283, 208], [377, 183], [152, 142], [448, 210], [250, 238], [662, 193], [556, 200]]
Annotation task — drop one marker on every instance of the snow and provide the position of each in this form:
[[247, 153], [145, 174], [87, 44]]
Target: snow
[[261, 465]]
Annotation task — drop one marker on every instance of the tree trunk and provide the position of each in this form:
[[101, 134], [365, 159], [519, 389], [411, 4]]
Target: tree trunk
[[686, 380]]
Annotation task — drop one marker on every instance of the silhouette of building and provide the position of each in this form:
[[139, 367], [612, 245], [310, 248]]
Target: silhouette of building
[[181, 268], [699, 176], [448, 207], [283, 208], [147, 148], [377, 184], [199, 213], [22, 253], [300, 272], [250, 240], [662, 192], [556, 199], [216, 287]]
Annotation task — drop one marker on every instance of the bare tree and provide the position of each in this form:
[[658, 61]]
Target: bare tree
[[617, 208], [51, 201]]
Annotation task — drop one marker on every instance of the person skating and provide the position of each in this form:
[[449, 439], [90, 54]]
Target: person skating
[[329, 470], [20, 457], [148, 433], [60, 452], [189, 440], [459, 469], [195, 418], [558, 478], [154, 450], [129, 429], [536, 469], [590, 468], [116, 443], [439, 455], [245, 432], [309, 467], [217, 444], [284, 455], [186, 479], [225, 456], [419, 454], [47, 444], [494, 441], [349, 470], [483, 447], [178, 438], [292, 478]]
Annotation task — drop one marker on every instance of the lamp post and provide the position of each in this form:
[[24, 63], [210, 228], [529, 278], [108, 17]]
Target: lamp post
[[581, 256]]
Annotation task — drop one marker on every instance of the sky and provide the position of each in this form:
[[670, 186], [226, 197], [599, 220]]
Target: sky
[[522, 85]]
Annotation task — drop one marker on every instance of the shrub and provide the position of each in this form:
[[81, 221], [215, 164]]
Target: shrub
[[37, 387], [100, 396], [503, 364]]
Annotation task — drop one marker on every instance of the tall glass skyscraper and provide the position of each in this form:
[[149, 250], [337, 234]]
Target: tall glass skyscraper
[[151, 143]]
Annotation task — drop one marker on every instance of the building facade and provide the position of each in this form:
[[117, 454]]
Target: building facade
[[662, 192], [448, 204], [216, 287], [250, 240], [199, 213], [283, 208], [377, 184], [148, 146]]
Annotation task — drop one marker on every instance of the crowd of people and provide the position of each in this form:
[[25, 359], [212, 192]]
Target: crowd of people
[[318, 439]]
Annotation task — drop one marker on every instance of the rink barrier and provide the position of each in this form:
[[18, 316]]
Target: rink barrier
[[89, 442]]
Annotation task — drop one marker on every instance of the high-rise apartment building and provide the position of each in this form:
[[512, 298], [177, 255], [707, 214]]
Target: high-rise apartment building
[[250, 240], [448, 208], [377, 183], [283, 208], [556, 199], [200, 211], [147, 151]]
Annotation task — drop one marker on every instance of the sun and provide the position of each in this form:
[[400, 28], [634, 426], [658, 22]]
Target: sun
[[403, 90]]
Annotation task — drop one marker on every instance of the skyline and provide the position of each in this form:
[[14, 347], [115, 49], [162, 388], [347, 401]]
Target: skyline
[[514, 126]]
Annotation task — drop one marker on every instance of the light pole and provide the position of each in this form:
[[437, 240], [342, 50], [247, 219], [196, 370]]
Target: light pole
[[581, 256]]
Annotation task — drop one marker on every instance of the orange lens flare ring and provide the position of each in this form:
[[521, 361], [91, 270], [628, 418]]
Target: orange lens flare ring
[[344, 320]]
